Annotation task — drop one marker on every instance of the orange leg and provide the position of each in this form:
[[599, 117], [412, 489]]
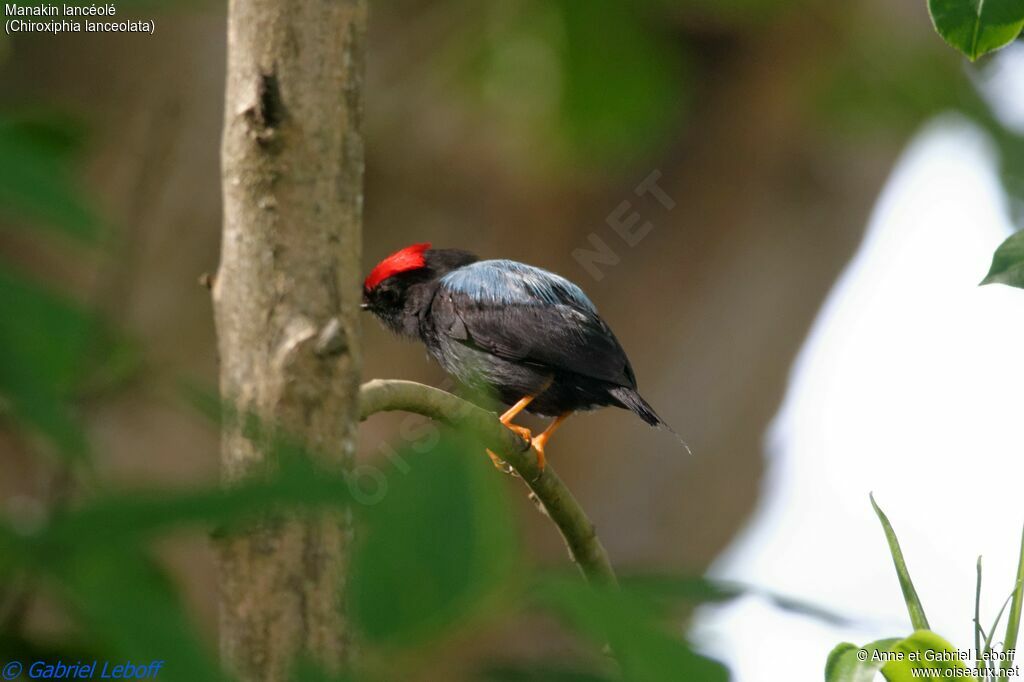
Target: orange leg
[[525, 433], [540, 441], [512, 412]]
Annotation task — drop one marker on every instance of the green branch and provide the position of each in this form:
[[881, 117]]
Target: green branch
[[558, 502]]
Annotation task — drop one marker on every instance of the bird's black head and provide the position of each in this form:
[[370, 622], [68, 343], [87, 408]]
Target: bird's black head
[[400, 287]]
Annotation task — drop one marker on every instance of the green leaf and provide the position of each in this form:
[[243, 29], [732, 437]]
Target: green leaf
[[602, 81], [642, 646], [932, 653], [44, 343], [622, 81], [976, 27], [35, 181], [914, 608], [1008, 263], [436, 546], [845, 665], [61, 135], [130, 607], [47, 331], [918, 82], [131, 518]]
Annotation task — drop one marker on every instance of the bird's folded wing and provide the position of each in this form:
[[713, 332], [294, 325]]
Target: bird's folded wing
[[557, 336]]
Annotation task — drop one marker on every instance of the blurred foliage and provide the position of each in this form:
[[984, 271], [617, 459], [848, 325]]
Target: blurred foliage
[[976, 28], [645, 649], [924, 654], [35, 176], [621, 79], [438, 552], [600, 82], [664, 591], [878, 85], [129, 607], [96, 560], [45, 340], [52, 346]]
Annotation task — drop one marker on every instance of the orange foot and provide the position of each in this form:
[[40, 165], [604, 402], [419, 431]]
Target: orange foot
[[523, 433], [538, 442], [500, 464]]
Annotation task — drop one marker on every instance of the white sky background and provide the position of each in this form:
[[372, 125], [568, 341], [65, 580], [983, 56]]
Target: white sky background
[[911, 385]]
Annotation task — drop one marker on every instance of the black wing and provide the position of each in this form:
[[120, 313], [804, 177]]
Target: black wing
[[557, 330]]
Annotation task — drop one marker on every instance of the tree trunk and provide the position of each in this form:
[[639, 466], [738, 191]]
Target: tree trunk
[[286, 307]]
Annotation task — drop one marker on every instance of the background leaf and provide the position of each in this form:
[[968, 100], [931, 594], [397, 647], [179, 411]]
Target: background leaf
[[131, 608], [95, 558], [619, 94], [35, 181], [129, 519], [661, 589], [45, 341]]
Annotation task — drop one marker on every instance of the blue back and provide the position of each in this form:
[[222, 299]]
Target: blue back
[[508, 282]]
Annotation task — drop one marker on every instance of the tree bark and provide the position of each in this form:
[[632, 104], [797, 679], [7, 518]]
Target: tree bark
[[286, 307]]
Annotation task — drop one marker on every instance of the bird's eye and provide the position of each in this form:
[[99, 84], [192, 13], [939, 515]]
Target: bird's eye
[[388, 295]]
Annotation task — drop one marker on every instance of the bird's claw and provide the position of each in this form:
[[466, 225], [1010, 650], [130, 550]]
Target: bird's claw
[[522, 431], [535, 442], [500, 464]]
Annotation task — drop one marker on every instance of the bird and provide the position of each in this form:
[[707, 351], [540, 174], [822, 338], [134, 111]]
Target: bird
[[529, 337]]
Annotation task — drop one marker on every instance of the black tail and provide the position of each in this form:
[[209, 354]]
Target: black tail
[[633, 402]]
